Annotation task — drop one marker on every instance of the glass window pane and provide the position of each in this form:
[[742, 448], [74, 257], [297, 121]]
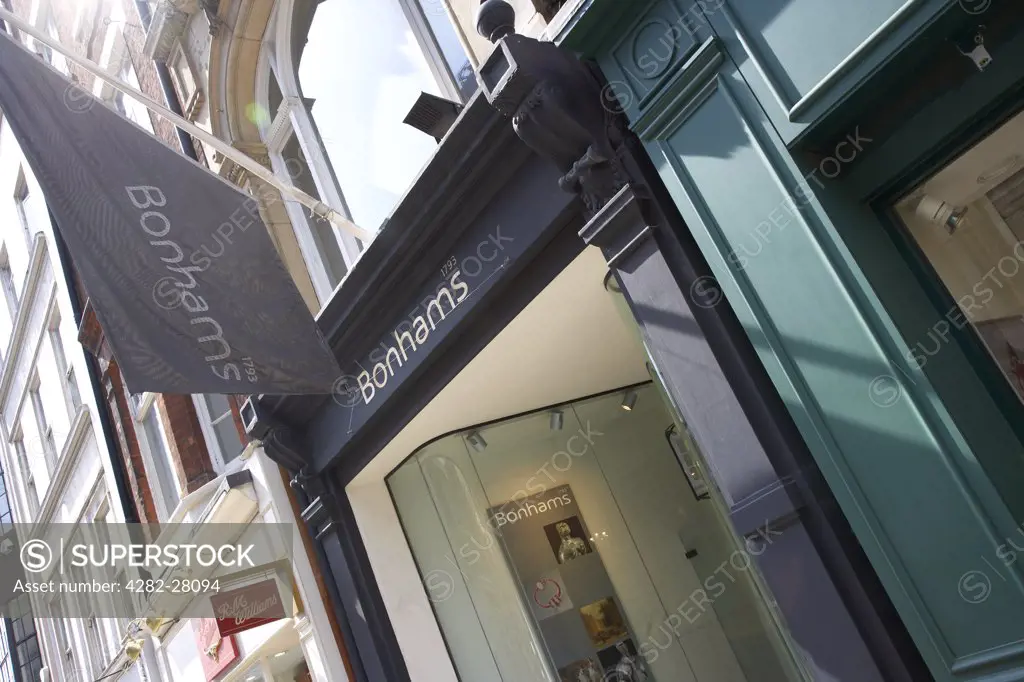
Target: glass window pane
[[168, 483], [222, 423], [560, 575], [231, 445], [217, 404], [359, 110], [322, 231], [448, 41], [274, 97]]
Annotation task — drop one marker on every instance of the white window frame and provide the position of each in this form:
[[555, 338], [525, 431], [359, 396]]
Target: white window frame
[[113, 51], [63, 638], [206, 423], [45, 429], [7, 282], [65, 642], [293, 115], [294, 118], [143, 405], [131, 108], [29, 488], [179, 64], [77, 25], [55, 58], [72, 395], [20, 204], [436, 61], [95, 649], [108, 629]]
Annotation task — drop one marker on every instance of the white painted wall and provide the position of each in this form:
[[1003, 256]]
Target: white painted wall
[[27, 350]]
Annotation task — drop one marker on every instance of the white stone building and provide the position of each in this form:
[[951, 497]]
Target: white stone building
[[55, 457]]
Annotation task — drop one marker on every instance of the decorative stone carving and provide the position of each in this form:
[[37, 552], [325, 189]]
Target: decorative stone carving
[[557, 105], [167, 25], [235, 174], [209, 8], [186, 6]]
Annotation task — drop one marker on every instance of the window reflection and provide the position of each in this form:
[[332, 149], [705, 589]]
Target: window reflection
[[447, 39], [363, 69]]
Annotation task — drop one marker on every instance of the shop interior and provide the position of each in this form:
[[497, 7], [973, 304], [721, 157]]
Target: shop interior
[[968, 220], [547, 517]]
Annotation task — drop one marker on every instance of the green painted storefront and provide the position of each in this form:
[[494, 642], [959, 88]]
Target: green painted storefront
[[784, 130]]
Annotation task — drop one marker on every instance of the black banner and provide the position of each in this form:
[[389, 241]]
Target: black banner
[[181, 270]]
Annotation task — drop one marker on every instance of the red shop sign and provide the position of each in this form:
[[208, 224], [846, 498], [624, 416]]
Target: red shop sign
[[247, 607]]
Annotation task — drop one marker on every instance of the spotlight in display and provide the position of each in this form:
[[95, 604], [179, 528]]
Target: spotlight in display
[[939, 212], [476, 440], [629, 400], [557, 420]]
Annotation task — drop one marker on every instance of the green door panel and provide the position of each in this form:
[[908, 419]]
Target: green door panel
[[801, 57], [903, 471]]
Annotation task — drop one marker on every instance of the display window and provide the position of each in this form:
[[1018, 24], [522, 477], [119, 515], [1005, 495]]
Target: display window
[[583, 543], [966, 221]]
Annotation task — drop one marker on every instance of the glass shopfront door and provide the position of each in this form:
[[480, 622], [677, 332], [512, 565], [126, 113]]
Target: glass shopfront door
[[582, 543]]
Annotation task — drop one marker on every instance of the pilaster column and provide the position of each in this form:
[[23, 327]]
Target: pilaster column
[[311, 651]]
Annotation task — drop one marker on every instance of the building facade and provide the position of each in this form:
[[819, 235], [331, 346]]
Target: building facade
[[20, 656], [56, 459], [548, 459], [734, 406], [162, 460], [695, 358]]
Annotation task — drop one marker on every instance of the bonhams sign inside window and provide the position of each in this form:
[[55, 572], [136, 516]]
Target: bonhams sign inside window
[[247, 607]]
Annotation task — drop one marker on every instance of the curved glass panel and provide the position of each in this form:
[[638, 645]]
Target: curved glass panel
[[572, 545]]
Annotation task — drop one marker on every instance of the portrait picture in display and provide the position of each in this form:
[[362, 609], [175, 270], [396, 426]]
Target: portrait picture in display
[[623, 664], [567, 538], [583, 670], [604, 622]]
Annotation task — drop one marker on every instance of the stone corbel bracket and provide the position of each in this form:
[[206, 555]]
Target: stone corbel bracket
[[235, 174], [166, 26]]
